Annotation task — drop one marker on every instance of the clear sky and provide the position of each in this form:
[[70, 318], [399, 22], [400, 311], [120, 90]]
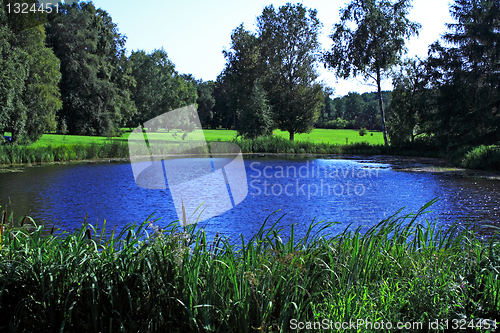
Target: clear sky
[[194, 33]]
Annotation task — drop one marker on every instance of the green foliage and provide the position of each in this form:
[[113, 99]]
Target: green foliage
[[255, 119], [143, 278], [362, 131], [339, 123], [159, 88], [467, 75], [29, 93], [223, 113], [96, 78], [411, 103], [376, 43], [244, 67], [17, 154], [482, 158], [289, 46], [354, 111], [205, 102]]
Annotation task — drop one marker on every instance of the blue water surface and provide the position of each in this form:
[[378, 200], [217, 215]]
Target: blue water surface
[[352, 192]]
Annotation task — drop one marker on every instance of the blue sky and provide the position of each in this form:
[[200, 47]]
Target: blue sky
[[194, 32]]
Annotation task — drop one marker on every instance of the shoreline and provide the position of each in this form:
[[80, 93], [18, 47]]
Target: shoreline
[[397, 162]]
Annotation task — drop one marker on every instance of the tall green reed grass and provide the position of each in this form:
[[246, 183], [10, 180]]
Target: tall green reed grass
[[147, 279], [16, 154]]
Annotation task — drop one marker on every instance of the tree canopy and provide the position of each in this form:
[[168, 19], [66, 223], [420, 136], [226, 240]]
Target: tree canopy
[[159, 88], [290, 50], [467, 76], [95, 79], [376, 43], [29, 72]]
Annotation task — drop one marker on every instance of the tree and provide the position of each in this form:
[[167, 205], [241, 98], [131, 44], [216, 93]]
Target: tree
[[33, 96], [411, 102], [159, 88], [375, 45], [205, 102], [255, 117], [243, 67], [289, 47], [467, 75], [328, 111], [41, 96], [222, 114], [96, 79], [354, 108], [13, 73]]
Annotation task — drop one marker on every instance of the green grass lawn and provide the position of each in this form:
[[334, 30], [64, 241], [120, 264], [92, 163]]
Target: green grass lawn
[[316, 136], [336, 136]]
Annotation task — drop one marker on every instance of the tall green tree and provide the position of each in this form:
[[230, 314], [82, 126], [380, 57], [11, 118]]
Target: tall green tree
[[205, 102], [34, 102], [289, 47], [244, 67], [255, 117], [222, 112], [467, 76], [95, 80], [13, 73], [374, 44], [159, 88]]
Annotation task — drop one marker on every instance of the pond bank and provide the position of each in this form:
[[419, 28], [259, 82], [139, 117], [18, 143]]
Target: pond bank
[[402, 163], [173, 279]]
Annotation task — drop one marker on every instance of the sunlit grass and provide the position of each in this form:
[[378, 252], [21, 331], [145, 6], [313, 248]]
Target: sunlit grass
[[332, 136], [336, 136], [143, 279]]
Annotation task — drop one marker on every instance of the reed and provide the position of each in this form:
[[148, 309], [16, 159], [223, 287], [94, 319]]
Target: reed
[[147, 279], [17, 154]]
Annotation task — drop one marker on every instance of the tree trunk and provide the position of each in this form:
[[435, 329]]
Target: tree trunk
[[291, 135], [381, 105]]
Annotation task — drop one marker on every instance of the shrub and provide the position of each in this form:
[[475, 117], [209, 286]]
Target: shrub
[[362, 131], [482, 158]]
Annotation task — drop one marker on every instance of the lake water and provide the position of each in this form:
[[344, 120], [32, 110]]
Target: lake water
[[357, 192]]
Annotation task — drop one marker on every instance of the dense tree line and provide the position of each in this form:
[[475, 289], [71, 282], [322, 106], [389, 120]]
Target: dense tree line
[[353, 110], [159, 88], [68, 71], [96, 77], [452, 98]]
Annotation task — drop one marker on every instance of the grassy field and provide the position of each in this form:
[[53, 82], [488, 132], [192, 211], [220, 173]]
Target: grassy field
[[336, 136], [316, 136], [143, 279]]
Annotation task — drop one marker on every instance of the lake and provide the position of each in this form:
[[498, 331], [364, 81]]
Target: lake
[[356, 191]]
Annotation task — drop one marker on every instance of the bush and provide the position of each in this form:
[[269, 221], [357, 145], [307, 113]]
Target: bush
[[482, 158], [362, 131]]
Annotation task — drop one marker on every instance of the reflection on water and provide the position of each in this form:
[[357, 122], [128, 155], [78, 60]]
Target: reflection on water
[[346, 191]]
